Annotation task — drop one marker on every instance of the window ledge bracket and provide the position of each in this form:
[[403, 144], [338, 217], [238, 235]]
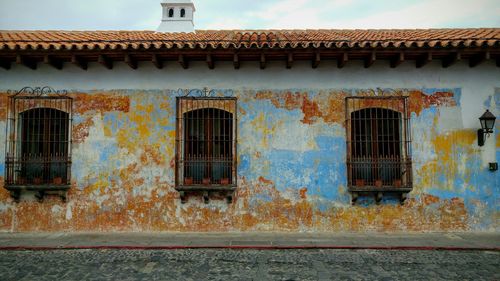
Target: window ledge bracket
[[378, 192], [40, 191], [228, 190]]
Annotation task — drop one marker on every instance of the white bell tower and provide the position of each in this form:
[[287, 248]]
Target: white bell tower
[[177, 16]]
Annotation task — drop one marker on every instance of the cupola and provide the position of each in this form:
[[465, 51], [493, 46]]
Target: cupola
[[177, 16]]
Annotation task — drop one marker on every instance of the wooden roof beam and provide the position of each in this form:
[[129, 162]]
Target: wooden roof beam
[[105, 61], [79, 62], [5, 64], [210, 61], [156, 61], [370, 60], [289, 60], [236, 61], [478, 59], [183, 62], [130, 61], [452, 59], [316, 60], [262, 61], [26, 62], [57, 64], [422, 61], [399, 59], [342, 61]]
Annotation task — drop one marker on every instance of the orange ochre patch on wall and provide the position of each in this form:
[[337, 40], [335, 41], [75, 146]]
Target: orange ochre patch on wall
[[164, 212], [127, 182], [330, 105]]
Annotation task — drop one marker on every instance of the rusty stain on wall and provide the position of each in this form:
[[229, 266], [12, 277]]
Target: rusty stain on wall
[[3, 106], [329, 105], [123, 174], [102, 102], [81, 130]]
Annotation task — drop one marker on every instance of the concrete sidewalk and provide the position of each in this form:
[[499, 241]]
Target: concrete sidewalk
[[260, 240]]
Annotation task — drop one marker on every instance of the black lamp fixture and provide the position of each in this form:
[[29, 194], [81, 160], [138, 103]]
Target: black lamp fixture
[[487, 123]]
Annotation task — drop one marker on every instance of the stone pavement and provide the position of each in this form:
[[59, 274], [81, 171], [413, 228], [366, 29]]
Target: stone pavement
[[260, 240], [249, 264], [249, 256]]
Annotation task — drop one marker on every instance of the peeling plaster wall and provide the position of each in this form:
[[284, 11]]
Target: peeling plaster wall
[[291, 150]]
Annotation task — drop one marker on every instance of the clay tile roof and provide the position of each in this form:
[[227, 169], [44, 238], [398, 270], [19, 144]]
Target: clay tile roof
[[398, 38]]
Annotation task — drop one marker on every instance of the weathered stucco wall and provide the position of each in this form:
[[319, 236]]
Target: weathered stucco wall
[[291, 150]]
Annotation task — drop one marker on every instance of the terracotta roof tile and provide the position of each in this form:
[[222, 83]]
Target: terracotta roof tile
[[250, 38]]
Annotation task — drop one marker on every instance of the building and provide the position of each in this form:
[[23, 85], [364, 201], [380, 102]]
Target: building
[[249, 130]]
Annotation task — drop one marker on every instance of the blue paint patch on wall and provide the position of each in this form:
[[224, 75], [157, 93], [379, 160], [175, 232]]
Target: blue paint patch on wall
[[78, 119], [497, 98], [487, 102], [107, 151], [114, 121], [482, 200], [421, 133], [320, 171], [243, 165]]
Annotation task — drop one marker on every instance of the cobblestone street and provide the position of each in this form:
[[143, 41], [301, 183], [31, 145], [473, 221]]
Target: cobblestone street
[[212, 264]]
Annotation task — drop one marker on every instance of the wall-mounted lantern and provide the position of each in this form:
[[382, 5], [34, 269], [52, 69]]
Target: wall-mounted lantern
[[487, 123]]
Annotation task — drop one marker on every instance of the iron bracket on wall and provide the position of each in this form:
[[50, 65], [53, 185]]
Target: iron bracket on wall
[[227, 191], [379, 194]]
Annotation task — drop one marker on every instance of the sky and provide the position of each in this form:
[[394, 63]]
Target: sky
[[256, 14]]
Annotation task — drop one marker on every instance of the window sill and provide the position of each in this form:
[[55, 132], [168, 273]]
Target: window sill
[[41, 190], [212, 187], [37, 187], [206, 189], [369, 188], [378, 192]]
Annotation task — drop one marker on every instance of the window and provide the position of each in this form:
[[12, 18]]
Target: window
[[378, 144], [206, 142], [170, 13], [183, 13], [38, 140]]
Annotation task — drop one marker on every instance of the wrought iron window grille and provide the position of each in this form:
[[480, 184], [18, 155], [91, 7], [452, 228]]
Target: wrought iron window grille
[[378, 136], [205, 143], [38, 142], [205, 93]]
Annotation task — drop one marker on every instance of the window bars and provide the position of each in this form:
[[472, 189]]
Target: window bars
[[378, 143], [206, 141], [38, 138]]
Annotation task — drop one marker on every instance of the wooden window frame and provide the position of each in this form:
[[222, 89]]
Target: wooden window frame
[[37, 158], [375, 164], [185, 105]]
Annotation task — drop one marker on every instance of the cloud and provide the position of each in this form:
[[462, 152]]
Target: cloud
[[431, 14], [269, 14], [229, 23], [299, 14], [351, 14], [78, 15]]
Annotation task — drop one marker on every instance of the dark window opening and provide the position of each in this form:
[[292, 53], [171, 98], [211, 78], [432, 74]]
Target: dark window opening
[[44, 144], [378, 143], [183, 13], [38, 141], [170, 13], [206, 143]]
